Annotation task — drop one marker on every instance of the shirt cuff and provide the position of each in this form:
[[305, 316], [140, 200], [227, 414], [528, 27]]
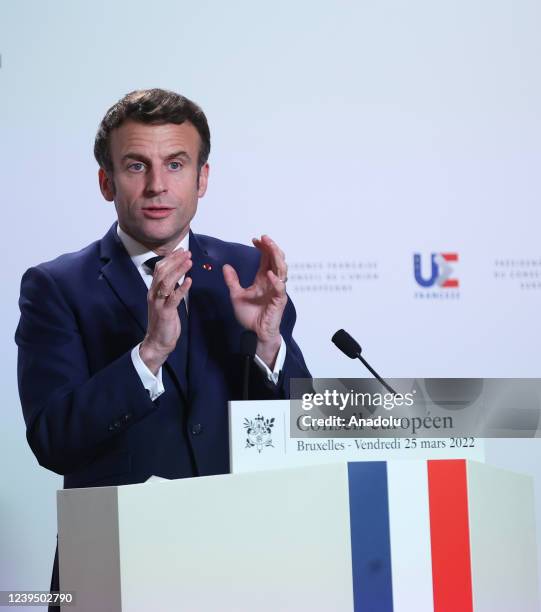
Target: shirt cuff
[[153, 384], [273, 375]]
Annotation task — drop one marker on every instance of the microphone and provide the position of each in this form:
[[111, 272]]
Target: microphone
[[350, 347], [248, 345]]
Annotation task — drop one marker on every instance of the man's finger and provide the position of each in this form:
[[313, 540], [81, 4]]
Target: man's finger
[[231, 279], [261, 247], [173, 278], [170, 301], [166, 279], [278, 284], [170, 260], [277, 257], [170, 264], [179, 293]]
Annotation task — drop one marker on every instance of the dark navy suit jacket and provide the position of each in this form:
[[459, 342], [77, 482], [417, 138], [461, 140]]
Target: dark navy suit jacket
[[87, 414]]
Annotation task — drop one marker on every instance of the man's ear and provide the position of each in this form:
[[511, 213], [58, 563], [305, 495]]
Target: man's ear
[[203, 180], [107, 186]]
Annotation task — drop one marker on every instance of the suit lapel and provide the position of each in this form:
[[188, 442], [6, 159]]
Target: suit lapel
[[123, 277], [203, 310]]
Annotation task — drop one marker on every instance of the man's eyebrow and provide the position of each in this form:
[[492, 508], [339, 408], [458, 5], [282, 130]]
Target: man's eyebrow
[[181, 153], [143, 158], [137, 156]]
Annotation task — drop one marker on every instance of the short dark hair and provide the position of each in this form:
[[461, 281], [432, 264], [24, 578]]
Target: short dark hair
[[152, 106]]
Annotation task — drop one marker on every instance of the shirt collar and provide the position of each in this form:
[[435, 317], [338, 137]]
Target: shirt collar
[[140, 253]]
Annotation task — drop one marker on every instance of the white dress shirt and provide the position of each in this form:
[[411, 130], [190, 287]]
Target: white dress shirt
[[154, 384]]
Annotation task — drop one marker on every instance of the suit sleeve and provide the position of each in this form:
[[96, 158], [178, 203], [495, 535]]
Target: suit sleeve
[[69, 414]]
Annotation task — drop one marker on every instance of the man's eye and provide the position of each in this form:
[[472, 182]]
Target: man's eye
[[175, 165], [136, 167]]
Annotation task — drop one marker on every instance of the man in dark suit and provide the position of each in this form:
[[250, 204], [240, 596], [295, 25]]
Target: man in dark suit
[[128, 349]]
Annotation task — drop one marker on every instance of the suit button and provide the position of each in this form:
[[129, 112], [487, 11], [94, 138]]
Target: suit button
[[197, 428], [127, 416]]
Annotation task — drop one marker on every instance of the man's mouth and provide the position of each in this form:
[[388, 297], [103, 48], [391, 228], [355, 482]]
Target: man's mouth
[[157, 212]]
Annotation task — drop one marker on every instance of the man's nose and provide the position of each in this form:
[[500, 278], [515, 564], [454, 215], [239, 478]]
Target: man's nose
[[155, 182]]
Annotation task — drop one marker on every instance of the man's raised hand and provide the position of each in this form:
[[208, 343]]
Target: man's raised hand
[[260, 307]]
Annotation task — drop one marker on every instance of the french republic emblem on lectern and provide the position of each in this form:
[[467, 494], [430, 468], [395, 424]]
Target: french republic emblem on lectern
[[258, 432]]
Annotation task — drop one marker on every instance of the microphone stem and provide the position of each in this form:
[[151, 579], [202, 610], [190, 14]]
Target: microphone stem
[[245, 392], [375, 374]]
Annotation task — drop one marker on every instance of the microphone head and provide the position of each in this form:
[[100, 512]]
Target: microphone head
[[248, 343], [348, 345]]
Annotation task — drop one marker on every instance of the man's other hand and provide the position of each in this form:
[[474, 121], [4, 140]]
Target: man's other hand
[[164, 329], [260, 307]]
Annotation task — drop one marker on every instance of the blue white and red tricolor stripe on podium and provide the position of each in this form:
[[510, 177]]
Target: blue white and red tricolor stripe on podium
[[441, 536]]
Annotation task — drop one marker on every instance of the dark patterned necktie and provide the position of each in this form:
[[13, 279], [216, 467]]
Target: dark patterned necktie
[[182, 344]]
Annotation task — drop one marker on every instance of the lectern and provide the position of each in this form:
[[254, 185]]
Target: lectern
[[403, 536]]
